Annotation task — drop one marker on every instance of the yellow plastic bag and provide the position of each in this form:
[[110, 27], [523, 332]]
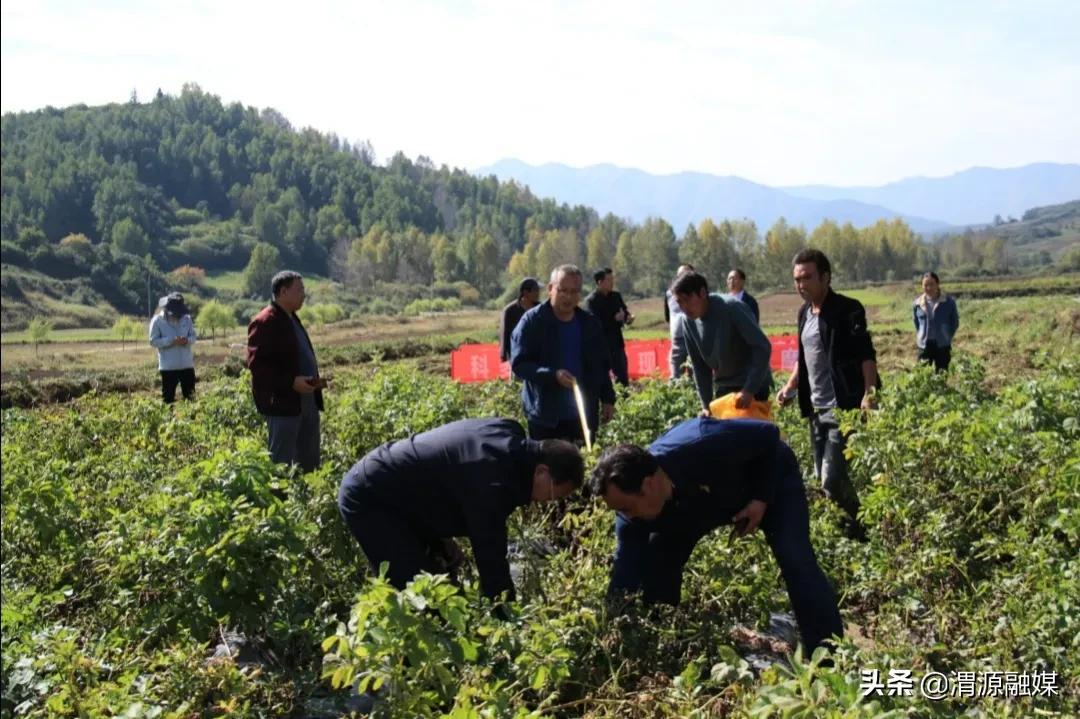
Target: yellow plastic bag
[[724, 408]]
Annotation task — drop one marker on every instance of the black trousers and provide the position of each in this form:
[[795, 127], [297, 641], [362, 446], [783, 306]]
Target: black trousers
[[619, 366], [940, 356], [568, 429], [172, 377], [387, 537], [762, 395]]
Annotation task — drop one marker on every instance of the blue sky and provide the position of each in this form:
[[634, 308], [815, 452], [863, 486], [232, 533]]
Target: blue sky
[[837, 92]]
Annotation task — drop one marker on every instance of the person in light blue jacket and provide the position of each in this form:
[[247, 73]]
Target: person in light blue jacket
[[172, 334], [936, 321]]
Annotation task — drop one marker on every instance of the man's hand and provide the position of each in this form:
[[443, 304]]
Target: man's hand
[[180, 341], [704, 413], [752, 513], [629, 317], [303, 385], [564, 378], [620, 316], [743, 400], [607, 411], [868, 403], [785, 395]]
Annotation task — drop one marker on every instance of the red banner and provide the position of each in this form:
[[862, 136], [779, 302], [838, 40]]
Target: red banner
[[478, 363], [644, 358], [785, 352]]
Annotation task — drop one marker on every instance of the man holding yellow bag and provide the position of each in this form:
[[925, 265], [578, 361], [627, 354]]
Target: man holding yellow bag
[[727, 349]]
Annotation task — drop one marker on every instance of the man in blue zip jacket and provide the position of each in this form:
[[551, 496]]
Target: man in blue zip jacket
[[700, 475], [553, 346], [404, 499]]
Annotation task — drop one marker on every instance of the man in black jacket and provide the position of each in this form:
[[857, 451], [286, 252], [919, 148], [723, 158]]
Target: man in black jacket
[[464, 479], [736, 285], [611, 310], [837, 369], [528, 297]]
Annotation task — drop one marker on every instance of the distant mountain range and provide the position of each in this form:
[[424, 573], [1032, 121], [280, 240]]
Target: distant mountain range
[[929, 205]]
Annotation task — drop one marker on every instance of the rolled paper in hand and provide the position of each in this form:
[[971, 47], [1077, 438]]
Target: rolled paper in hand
[[580, 401]]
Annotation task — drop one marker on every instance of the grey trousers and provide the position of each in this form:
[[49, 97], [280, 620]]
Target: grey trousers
[[830, 466], [295, 440]]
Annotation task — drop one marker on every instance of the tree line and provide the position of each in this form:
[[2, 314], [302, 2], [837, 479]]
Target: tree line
[[137, 197]]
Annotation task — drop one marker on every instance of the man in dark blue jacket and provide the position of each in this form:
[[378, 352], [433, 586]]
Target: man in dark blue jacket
[[700, 475], [553, 346], [404, 498]]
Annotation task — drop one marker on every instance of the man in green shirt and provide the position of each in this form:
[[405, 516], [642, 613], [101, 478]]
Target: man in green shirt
[[727, 349]]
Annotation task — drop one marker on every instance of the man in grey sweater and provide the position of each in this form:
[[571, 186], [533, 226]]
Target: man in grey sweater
[[727, 349]]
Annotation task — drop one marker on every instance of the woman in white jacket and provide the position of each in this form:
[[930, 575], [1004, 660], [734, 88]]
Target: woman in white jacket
[[172, 334]]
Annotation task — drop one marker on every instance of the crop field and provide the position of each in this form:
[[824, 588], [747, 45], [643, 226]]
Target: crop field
[[156, 564]]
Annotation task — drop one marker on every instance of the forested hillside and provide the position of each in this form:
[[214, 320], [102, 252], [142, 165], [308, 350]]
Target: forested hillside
[[105, 208], [113, 193]]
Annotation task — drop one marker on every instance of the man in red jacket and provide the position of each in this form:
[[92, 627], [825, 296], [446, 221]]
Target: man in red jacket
[[285, 377]]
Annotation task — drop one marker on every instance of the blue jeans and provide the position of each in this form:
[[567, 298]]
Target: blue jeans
[[657, 567]]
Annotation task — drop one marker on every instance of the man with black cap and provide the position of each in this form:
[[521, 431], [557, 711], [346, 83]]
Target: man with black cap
[[406, 500], [172, 334], [528, 297]]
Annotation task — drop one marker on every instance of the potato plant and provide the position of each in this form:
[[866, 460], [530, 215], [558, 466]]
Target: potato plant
[[137, 538]]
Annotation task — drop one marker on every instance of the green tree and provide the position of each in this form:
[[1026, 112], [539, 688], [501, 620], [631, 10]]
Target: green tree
[[748, 249], [656, 256], [782, 243], [38, 329], [126, 328], [130, 238], [626, 259], [599, 249], [215, 316], [710, 251], [444, 260], [265, 262]]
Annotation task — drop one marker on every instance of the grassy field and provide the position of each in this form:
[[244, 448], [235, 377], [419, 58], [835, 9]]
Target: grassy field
[[233, 283], [1004, 331]]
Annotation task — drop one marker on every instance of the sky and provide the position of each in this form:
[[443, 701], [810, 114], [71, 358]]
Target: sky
[[779, 92]]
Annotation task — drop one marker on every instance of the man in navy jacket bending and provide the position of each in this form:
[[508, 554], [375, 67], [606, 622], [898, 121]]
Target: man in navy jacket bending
[[700, 475], [463, 479]]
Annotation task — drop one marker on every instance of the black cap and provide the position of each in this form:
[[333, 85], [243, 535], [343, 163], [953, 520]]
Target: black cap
[[173, 304]]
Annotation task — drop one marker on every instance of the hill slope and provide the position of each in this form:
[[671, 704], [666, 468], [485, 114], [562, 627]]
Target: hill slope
[[120, 194]]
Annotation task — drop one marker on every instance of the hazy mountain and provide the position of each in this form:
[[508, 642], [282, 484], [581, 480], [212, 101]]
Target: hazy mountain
[[973, 196], [689, 197]]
